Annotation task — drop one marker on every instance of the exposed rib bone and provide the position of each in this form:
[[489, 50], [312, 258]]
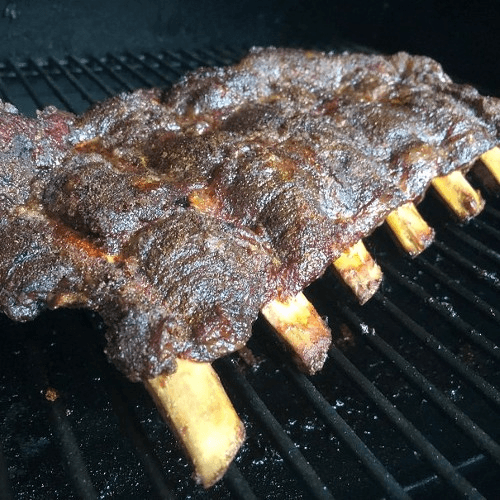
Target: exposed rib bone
[[359, 271], [194, 403], [488, 169], [491, 159], [410, 229], [300, 327], [459, 195]]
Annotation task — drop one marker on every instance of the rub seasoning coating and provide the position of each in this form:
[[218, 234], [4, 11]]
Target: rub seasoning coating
[[178, 214]]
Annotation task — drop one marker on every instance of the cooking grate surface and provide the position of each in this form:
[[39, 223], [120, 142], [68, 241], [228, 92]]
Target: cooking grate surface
[[407, 405]]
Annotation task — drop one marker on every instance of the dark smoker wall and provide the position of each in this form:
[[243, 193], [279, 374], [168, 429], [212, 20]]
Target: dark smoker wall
[[463, 34], [62, 26]]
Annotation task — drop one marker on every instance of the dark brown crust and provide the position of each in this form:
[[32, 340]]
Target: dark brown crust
[[178, 215]]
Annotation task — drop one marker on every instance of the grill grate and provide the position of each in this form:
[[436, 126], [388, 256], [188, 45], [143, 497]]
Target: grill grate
[[407, 405]]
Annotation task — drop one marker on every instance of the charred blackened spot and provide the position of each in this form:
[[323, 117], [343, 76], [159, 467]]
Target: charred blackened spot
[[182, 202]]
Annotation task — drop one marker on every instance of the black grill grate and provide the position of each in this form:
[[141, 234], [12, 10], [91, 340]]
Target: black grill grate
[[407, 406]]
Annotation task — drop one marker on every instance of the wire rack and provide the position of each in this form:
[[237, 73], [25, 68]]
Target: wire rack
[[407, 405]]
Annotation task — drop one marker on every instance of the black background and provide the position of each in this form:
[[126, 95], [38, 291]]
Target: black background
[[463, 35]]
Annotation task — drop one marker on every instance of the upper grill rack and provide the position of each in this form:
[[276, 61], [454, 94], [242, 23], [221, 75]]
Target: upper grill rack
[[406, 406]]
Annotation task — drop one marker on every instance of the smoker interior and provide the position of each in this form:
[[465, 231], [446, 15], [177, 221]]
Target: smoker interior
[[406, 405]]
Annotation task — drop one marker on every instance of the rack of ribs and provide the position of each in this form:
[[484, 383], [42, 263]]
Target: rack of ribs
[[178, 215]]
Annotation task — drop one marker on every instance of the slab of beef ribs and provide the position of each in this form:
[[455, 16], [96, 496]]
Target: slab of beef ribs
[[178, 214]]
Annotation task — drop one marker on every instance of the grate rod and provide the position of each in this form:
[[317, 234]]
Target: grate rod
[[146, 81], [3, 92], [92, 75], [344, 432], [5, 487], [471, 333], [168, 67], [217, 57], [182, 61], [71, 452], [108, 69], [475, 244], [29, 88], [478, 272], [78, 86], [234, 53], [485, 388], [459, 418], [237, 484], [126, 416], [149, 67], [287, 447], [483, 226], [423, 482], [191, 54], [487, 309], [142, 445], [438, 461], [55, 88], [492, 211]]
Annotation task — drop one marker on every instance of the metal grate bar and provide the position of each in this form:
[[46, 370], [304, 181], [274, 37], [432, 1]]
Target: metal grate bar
[[70, 450], [492, 211], [128, 419], [166, 66], [71, 453], [459, 418], [478, 272], [477, 337], [110, 71], [286, 446], [483, 226], [3, 92], [198, 60], [78, 86], [92, 75], [5, 487], [487, 309], [29, 88], [233, 53], [142, 445], [481, 385], [476, 245], [237, 484], [344, 432], [217, 57], [150, 68], [145, 81], [181, 60], [191, 54], [438, 461], [55, 88], [464, 465]]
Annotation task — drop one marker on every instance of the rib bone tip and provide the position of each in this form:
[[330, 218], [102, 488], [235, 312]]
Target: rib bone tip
[[410, 230], [299, 326], [359, 271], [487, 169], [195, 405], [463, 200]]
